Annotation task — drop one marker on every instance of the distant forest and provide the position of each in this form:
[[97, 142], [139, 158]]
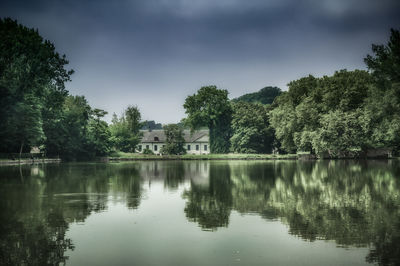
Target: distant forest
[[150, 125], [343, 115], [266, 95]]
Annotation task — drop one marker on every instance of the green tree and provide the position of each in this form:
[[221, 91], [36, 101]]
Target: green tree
[[381, 117], [283, 120], [52, 116], [251, 130], [304, 116], [150, 125], [266, 95], [27, 122], [76, 114], [132, 115], [340, 134], [385, 63], [125, 131], [210, 107], [30, 70], [99, 134], [174, 140]]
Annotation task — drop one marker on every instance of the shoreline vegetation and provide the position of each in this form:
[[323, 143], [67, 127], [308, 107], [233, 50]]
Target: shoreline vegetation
[[229, 156], [126, 157], [348, 115], [121, 156], [29, 161]]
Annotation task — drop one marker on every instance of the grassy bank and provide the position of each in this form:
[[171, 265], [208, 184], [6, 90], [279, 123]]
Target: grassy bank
[[122, 156], [28, 161]]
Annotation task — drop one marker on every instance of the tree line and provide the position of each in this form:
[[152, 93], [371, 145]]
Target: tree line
[[342, 114], [37, 110]]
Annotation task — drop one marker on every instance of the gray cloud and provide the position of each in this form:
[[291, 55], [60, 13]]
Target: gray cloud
[[154, 53]]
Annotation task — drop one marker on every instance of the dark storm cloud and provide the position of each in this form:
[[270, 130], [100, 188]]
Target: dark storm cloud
[[135, 52]]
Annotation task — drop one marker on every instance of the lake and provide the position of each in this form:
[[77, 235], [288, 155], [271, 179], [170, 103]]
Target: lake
[[201, 213]]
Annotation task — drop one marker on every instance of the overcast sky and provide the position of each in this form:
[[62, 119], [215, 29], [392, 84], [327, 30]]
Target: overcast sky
[[154, 53]]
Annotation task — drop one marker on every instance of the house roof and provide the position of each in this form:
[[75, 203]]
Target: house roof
[[151, 136]]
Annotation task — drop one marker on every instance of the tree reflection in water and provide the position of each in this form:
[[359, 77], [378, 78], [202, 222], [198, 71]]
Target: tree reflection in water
[[28, 234], [36, 208], [355, 203], [211, 205]]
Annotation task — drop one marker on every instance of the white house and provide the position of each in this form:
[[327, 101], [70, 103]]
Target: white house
[[197, 142]]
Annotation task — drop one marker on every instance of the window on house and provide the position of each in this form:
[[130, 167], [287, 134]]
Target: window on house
[[140, 148], [147, 147], [205, 147], [156, 139], [197, 147], [188, 147], [155, 147]]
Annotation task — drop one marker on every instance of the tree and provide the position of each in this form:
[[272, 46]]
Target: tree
[[340, 134], [125, 131], [283, 120], [27, 122], [381, 116], [30, 70], [304, 117], [99, 134], [385, 63], [251, 130], [74, 128], [174, 140], [132, 115], [52, 116], [150, 125], [266, 95], [210, 107]]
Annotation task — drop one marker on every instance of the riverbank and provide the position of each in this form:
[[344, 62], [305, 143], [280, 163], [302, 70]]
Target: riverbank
[[29, 161], [122, 156], [138, 157]]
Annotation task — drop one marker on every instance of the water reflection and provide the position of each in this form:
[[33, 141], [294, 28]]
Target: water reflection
[[210, 205], [354, 203], [32, 228]]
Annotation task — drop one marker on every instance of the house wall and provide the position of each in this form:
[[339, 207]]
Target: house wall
[[192, 147], [151, 146]]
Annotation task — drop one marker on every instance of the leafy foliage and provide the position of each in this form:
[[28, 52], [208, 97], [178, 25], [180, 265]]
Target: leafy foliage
[[385, 63], [35, 108], [322, 114], [73, 128], [30, 71], [381, 118], [349, 111], [174, 140], [266, 95], [210, 107], [99, 133], [251, 130], [147, 151], [150, 125], [125, 130]]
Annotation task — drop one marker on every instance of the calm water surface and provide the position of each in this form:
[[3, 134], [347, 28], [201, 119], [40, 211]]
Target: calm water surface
[[201, 213]]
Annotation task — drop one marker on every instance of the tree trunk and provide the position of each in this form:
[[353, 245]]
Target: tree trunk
[[20, 174], [20, 151]]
